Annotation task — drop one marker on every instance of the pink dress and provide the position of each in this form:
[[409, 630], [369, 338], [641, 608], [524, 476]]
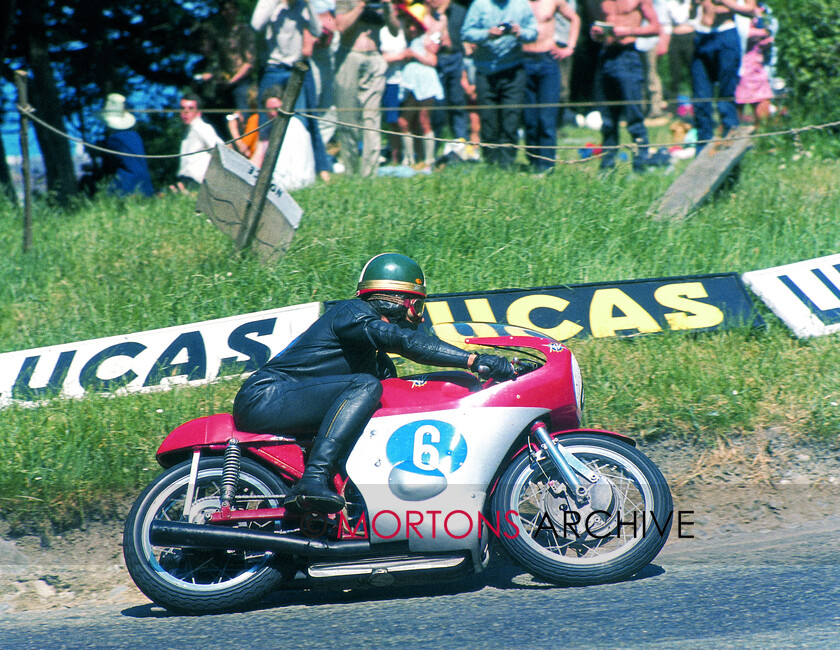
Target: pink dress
[[754, 85]]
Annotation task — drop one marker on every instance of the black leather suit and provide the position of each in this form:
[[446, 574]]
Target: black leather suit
[[328, 379]]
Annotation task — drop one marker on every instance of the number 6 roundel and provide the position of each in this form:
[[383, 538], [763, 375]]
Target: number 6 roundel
[[423, 453]]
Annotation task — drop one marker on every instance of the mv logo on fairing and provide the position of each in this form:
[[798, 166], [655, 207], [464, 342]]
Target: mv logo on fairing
[[423, 454]]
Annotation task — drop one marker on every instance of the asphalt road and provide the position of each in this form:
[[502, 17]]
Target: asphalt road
[[776, 589]]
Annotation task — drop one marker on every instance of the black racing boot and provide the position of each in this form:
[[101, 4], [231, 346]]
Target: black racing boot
[[312, 491]]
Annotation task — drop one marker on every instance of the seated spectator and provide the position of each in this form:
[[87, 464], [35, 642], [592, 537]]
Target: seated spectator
[[198, 141], [130, 172], [295, 168], [243, 130]]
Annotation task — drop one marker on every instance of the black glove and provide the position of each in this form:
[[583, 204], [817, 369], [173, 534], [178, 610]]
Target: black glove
[[497, 367]]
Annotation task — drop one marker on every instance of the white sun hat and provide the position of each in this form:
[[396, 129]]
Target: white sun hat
[[115, 115]]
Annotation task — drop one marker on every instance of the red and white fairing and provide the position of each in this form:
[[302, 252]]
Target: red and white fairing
[[427, 460]]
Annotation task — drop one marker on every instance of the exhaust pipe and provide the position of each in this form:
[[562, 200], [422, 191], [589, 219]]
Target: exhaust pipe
[[184, 535]]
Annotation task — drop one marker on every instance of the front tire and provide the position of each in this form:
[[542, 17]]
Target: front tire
[[613, 536], [198, 580]]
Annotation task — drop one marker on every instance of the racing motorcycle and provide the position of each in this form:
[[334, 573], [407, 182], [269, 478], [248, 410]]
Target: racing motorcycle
[[448, 464]]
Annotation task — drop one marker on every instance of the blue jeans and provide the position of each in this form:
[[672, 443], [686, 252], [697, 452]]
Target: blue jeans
[[542, 86], [717, 58], [450, 67], [620, 77], [279, 75]]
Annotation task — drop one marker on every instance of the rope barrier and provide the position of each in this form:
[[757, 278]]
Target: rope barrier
[[794, 131], [462, 107]]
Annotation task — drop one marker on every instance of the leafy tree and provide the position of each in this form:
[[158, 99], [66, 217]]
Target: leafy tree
[[809, 53], [77, 51]]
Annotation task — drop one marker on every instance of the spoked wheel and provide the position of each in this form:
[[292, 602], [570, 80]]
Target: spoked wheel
[[199, 580], [620, 528]]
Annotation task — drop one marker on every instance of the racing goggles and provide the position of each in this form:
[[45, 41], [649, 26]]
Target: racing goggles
[[414, 309], [414, 305]]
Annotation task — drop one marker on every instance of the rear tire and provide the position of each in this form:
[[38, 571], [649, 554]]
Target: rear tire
[[197, 580], [557, 540]]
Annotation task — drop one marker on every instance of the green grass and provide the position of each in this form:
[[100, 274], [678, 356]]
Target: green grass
[[112, 267]]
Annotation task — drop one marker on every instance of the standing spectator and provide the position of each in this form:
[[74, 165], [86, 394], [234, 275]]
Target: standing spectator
[[498, 28], [420, 85], [653, 47], [237, 47], [473, 150], [290, 30], [771, 54], [199, 139], [228, 47], [754, 85], [295, 168], [717, 58], [678, 41], [360, 82], [393, 49], [620, 74], [542, 81], [450, 68], [562, 38], [130, 172], [323, 68]]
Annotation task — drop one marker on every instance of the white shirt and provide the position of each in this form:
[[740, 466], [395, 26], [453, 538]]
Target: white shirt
[[677, 12], [647, 43], [200, 136], [390, 44], [295, 167]]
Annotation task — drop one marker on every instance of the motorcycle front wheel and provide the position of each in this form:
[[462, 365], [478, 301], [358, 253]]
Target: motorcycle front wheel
[[614, 534], [199, 580]]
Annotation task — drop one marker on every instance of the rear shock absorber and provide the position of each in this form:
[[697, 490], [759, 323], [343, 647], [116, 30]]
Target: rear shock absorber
[[230, 472]]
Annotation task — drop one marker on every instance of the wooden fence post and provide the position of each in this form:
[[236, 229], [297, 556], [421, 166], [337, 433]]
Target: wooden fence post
[[23, 103], [275, 140]]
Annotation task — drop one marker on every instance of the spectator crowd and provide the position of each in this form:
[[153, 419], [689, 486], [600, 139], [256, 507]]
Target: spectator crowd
[[482, 74]]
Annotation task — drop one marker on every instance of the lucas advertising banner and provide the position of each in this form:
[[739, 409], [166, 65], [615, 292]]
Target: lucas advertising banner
[[153, 360]]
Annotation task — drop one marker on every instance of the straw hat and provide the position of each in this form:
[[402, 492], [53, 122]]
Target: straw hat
[[417, 12], [115, 115]]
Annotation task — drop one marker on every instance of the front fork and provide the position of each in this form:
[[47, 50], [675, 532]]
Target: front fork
[[566, 463]]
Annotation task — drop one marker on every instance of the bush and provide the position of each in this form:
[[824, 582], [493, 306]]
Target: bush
[[809, 55]]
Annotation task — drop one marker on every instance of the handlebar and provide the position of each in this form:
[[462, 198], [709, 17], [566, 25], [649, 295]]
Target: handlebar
[[520, 367]]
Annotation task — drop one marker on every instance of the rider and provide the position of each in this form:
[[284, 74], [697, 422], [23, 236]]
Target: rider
[[330, 375]]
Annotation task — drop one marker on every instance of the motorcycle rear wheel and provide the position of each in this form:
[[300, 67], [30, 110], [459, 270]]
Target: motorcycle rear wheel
[[613, 537], [198, 580]]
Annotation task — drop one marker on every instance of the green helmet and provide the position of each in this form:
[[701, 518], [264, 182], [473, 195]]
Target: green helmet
[[392, 273]]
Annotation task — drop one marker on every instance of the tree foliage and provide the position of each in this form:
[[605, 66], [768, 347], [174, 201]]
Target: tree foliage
[[78, 51], [809, 53]]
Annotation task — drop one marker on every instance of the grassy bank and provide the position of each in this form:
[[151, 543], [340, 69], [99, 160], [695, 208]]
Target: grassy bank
[[113, 267]]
